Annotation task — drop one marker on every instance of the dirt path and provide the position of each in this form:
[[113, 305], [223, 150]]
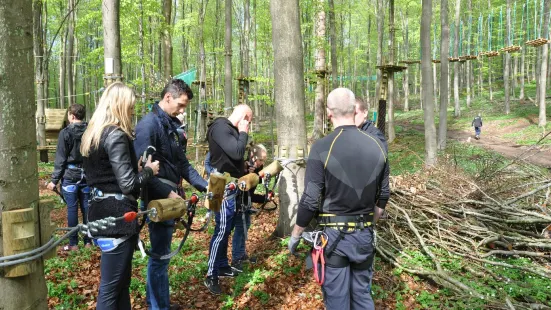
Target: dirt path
[[491, 138]]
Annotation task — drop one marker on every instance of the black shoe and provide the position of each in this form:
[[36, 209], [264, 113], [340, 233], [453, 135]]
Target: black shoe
[[250, 260], [213, 285], [237, 266], [227, 272]]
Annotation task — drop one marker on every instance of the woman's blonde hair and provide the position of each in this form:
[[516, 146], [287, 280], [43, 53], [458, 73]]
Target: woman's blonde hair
[[114, 109]]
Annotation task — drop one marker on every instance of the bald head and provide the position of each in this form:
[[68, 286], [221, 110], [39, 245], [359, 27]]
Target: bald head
[[241, 112], [341, 103]]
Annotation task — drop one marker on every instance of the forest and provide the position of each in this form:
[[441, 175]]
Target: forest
[[468, 223]]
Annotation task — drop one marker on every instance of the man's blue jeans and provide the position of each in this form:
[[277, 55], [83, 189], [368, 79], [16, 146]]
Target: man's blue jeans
[[218, 254], [75, 195], [238, 241], [477, 131], [157, 290]]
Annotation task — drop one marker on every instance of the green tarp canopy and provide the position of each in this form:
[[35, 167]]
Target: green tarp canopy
[[188, 76]]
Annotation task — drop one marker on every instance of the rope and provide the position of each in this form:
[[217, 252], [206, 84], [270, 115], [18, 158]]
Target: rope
[[87, 229]]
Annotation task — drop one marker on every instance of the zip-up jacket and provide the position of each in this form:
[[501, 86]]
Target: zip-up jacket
[[477, 122], [384, 191], [68, 160], [344, 173], [160, 130]]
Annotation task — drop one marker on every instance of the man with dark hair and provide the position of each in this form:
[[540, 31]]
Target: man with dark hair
[[343, 174], [361, 121], [68, 168], [159, 128]]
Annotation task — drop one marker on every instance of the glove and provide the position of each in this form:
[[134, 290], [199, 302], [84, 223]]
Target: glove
[[293, 244]]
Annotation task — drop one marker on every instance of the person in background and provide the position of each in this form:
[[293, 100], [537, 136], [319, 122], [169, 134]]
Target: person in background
[[254, 163], [68, 170], [477, 124], [112, 171]]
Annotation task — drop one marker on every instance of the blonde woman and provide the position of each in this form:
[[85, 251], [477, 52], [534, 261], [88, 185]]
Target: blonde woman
[[112, 172]]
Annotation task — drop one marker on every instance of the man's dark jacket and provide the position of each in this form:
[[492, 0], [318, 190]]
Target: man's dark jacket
[[384, 191], [160, 130]]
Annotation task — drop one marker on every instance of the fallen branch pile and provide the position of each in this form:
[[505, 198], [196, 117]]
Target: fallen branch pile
[[443, 225]]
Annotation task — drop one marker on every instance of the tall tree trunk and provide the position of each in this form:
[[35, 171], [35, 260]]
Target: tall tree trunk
[[69, 55], [202, 109], [380, 37], [507, 60], [289, 82], [39, 72], [142, 59], [112, 41], [320, 70], [457, 107], [167, 39], [228, 54], [62, 70], [542, 121], [515, 76], [184, 41], [333, 40], [391, 86], [468, 63], [405, 76], [257, 107], [430, 129], [46, 57], [444, 74], [369, 65], [490, 78], [19, 186]]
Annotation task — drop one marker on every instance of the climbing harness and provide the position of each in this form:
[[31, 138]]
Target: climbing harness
[[318, 240]]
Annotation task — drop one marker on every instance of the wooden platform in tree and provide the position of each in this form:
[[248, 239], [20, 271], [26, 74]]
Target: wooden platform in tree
[[436, 61], [468, 57], [510, 49], [490, 54], [55, 119], [537, 42], [453, 59], [202, 83], [389, 68], [410, 62], [244, 78]]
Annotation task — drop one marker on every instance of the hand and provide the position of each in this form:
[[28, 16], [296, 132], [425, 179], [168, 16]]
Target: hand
[[243, 126], [174, 195], [140, 168], [51, 186], [293, 244], [153, 165], [250, 168]]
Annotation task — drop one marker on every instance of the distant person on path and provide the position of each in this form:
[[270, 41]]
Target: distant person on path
[[477, 124]]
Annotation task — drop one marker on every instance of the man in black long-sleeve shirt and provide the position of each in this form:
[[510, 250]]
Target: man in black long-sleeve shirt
[[343, 174], [227, 144]]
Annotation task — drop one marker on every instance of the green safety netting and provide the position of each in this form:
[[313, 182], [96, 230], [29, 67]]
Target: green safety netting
[[188, 76]]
